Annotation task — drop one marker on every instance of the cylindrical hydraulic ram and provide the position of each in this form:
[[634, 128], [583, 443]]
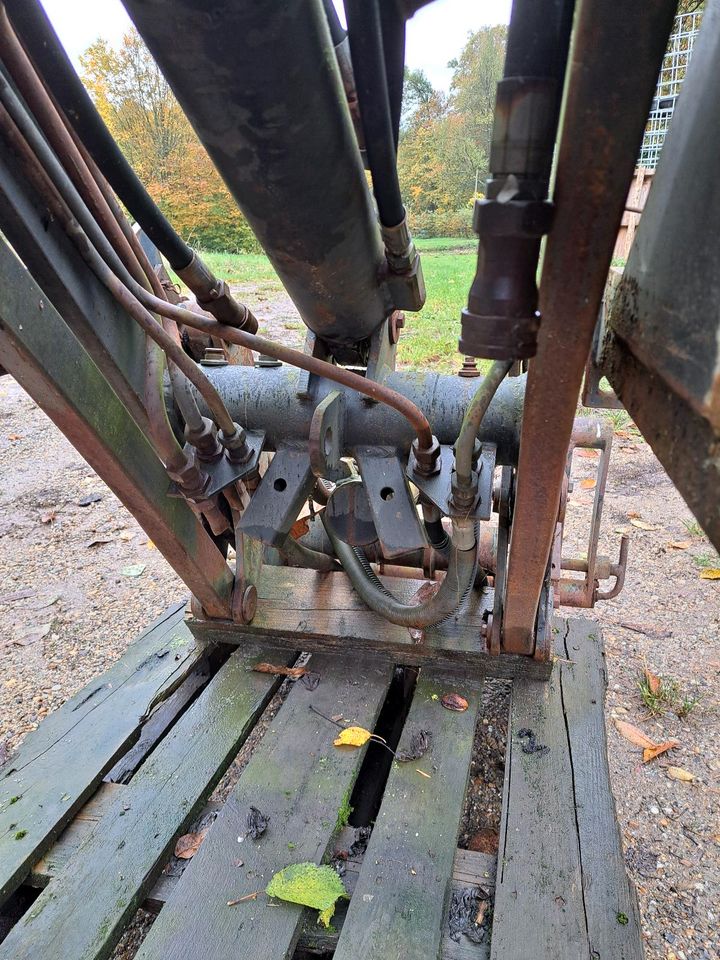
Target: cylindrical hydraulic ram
[[267, 399], [260, 84]]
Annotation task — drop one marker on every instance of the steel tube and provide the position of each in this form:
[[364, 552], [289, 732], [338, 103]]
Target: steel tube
[[266, 398], [266, 98], [598, 147]]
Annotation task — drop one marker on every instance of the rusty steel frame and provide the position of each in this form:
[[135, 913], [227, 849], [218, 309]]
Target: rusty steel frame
[[606, 106], [39, 350]]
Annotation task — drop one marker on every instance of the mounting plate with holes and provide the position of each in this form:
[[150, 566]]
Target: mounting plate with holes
[[437, 488], [223, 472], [325, 441]]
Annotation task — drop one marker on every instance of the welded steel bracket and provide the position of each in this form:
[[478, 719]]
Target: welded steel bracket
[[437, 488], [223, 471], [276, 503], [391, 503]]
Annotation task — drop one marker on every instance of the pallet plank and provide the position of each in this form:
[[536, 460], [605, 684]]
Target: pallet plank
[[399, 906], [59, 765], [297, 777], [81, 914], [561, 883], [317, 611], [609, 894]]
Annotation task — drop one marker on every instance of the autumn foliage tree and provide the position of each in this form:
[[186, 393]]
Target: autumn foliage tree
[[445, 140], [141, 112]]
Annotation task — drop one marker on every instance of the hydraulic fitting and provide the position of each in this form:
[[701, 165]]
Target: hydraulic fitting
[[237, 449], [426, 460], [205, 441]]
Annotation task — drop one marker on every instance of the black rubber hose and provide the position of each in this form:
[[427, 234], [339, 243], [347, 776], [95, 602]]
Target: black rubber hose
[[40, 40], [392, 22], [449, 596], [337, 31], [368, 59]]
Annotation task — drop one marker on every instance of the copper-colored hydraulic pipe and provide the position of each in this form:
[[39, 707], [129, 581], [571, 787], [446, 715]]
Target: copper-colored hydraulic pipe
[[39, 102], [36, 96], [321, 368], [167, 445]]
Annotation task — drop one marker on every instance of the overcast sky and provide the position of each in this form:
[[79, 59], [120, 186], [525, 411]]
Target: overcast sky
[[435, 34]]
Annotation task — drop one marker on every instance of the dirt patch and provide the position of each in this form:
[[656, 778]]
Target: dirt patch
[[63, 568]]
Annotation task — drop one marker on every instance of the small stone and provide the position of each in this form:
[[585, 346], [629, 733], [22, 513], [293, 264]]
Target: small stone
[[654, 810]]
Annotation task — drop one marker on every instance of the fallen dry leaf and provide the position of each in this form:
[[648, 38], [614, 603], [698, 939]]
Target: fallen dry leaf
[[589, 454], [14, 436], [633, 734], [588, 483], [624, 434], [677, 773], [643, 524], [711, 573], [300, 528], [423, 774], [484, 841], [48, 517], [352, 737], [654, 682], [189, 844], [679, 544], [632, 513], [98, 541], [293, 672], [649, 753], [453, 701]]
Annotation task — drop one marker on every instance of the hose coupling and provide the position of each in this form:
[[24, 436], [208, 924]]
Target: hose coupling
[[237, 449], [426, 460], [205, 441]]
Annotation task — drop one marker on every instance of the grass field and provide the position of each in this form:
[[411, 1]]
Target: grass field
[[430, 337]]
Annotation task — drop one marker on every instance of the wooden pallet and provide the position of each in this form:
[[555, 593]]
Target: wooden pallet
[[95, 799]]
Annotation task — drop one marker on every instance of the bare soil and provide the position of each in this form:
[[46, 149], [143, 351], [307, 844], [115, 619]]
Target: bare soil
[[73, 596]]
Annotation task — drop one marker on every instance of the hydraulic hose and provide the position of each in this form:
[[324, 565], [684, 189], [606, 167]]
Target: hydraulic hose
[[109, 218], [450, 594], [298, 555], [465, 445], [24, 139], [53, 65], [39, 38], [392, 21], [368, 59]]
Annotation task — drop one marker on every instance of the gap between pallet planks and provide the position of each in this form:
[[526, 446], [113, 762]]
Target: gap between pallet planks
[[316, 611], [571, 899], [109, 878], [400, 903], [470, 869], [297, 777], [75, 746]]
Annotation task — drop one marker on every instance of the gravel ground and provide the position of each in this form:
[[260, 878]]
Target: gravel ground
[[69, 607]]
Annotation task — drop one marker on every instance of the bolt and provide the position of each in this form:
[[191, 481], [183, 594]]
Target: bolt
[[249, 603], [214, 357], [469, 368], [397, 322]]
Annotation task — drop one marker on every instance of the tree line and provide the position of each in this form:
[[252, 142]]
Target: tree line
[[442, 156]]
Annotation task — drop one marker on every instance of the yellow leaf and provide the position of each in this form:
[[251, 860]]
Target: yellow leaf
[[677, 773], [634, 735], [352, 737], [643, 524], [588, 483], [649, 753], [712, 573]]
